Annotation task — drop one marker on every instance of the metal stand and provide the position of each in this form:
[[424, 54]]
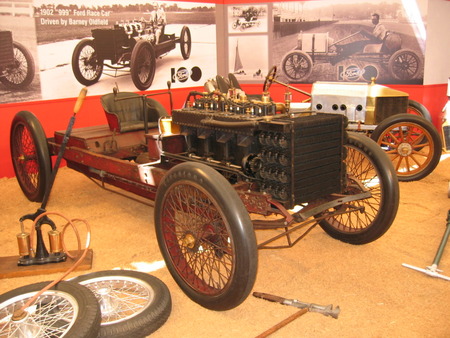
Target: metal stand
[[433, 270], [42, 256]]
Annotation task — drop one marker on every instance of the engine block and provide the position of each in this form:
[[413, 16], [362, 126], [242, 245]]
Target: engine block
[[294, 157]]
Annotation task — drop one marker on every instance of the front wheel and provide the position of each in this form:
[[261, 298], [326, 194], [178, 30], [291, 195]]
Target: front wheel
[[404, 65], [20, 73], [205, 236], [143, 64], [86, 65], [30, 155], [297, 66], [133, 304], [185, 42], [368, 169], [65, 310], [412, 144]]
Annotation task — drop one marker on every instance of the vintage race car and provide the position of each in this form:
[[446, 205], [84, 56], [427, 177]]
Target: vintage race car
[[135, 45], [316, 48], [217, 169]]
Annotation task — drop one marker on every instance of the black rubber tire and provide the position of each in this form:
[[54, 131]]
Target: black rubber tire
[[86, 66], [185, 42], [297, 66], [30, 155], [416, 108], [140, 319], [21, 73], [216, 236], [143, 64], [367, 165], [67, 297], [404, 65], [418, 153]]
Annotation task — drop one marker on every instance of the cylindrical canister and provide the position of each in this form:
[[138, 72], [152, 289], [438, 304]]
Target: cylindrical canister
[[23, 240], [54, 241]]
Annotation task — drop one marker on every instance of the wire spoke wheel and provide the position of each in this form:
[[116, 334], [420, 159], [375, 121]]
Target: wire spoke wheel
[[143, 64], [21, 73], [205, 236], [30, 156], [86, 65], [67, 309], [132, 303], [412, 144], [368, 170]]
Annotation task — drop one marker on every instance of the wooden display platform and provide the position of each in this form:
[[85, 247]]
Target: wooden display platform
[[10, 269]]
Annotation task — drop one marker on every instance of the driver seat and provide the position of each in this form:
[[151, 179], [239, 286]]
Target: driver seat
[[125, 111]]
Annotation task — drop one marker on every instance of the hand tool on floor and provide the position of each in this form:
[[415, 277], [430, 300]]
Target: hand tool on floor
[[433, 270], [327, 310], [305, 307]]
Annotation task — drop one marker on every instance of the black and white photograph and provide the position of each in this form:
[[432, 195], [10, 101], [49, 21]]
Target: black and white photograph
[[247, 19], [19, 76], [248, 57], [134, 45], [350, 41]]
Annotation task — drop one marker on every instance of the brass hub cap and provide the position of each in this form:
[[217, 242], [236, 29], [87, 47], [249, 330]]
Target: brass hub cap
[[189, 241], [404, 149]]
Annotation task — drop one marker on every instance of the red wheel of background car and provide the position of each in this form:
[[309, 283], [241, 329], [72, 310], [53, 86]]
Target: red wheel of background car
[[412, 144], [30, 155], [418, 109], [143, 64], [205, 236], [297, 66]]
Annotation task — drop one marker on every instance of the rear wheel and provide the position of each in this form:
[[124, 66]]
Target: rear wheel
[[30, 155], [86, 65], [412, 144], [65, 310], [404, 64], [297, 66], [21, 73], [143, 64], [368, 169], [206, 236], [418, 109], [133, 304], [185, 42]]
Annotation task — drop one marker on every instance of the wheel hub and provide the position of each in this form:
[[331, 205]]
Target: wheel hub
[[404, 149], [189, 241], [25, 324], [108, 303]]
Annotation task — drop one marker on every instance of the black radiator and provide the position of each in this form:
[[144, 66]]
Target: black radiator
[[295, 158]]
